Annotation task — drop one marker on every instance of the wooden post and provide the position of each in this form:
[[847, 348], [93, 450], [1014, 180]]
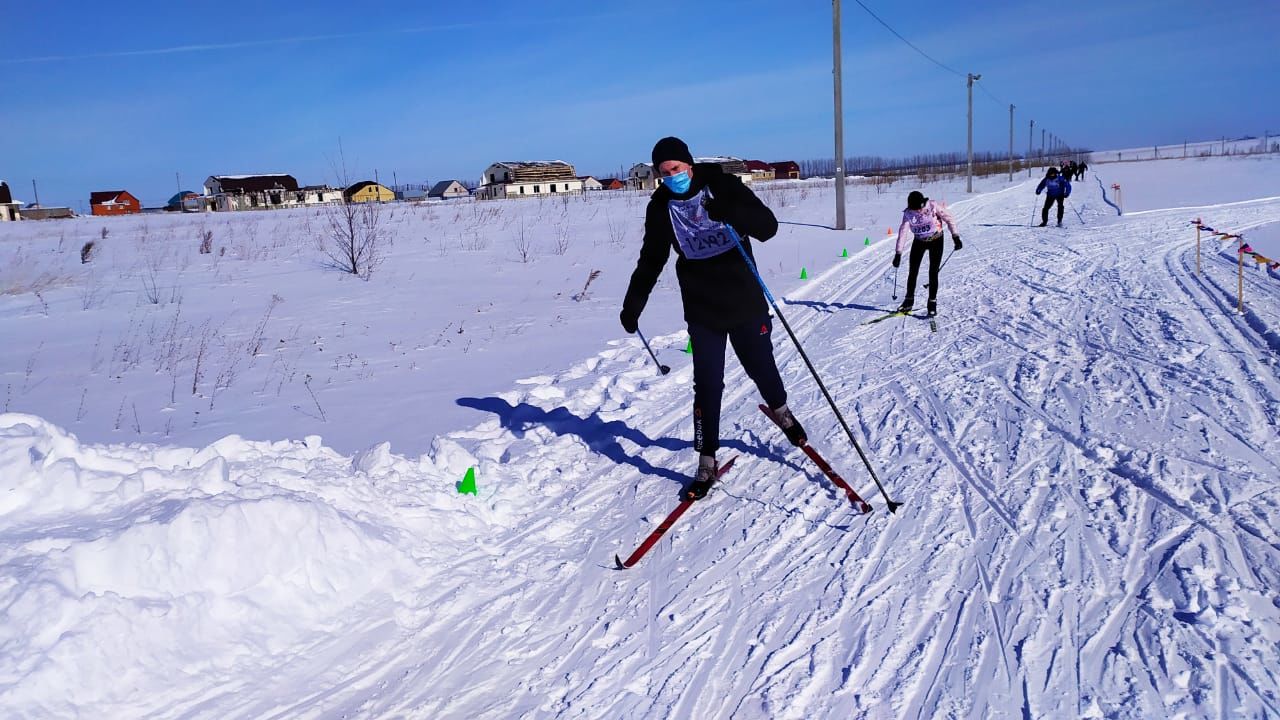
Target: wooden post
[[1240, 274]]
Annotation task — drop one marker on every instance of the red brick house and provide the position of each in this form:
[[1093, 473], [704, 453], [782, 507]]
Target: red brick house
[[114, 202], [613, 184], [786, 170]]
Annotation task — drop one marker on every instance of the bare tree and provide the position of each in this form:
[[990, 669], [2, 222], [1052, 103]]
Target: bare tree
[[354, 230]]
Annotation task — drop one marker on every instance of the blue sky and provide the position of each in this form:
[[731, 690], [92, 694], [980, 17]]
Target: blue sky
[[100, 97]]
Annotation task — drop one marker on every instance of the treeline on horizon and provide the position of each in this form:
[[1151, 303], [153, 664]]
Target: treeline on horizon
[[984, 163]]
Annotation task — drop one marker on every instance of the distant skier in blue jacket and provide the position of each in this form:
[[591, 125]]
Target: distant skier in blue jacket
[[1056, 188]]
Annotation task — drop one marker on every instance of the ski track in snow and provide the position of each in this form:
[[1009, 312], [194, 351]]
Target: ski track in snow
[[1043, 565], [1085, 449]]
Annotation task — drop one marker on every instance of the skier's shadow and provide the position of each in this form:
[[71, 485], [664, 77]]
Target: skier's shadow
[[600, 435], [829, 306]]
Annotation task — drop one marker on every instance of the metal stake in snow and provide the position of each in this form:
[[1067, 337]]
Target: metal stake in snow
[[893, 506], [662, 369]]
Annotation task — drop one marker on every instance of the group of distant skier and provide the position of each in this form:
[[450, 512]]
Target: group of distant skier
[[704, 213]]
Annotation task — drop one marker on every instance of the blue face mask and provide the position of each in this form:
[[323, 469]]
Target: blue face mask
[[679, 183]]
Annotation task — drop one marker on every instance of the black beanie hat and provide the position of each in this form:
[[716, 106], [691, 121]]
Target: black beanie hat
[[671, 148], [916, 200]]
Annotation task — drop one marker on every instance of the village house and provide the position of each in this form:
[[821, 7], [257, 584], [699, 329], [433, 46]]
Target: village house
[[786, 170], [528, 179], [730, 165], [448, 190], [319, 195], [251, 192], [590, 183], [40, 212], [613, 184], [642, 177], [114, 202], [368, 191], [262, 192], [8, 208], [759, 170], [183, 201], [411, 193]]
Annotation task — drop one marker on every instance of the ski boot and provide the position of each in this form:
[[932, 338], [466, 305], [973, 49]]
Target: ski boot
[[1043, 223], [905, 307], [1059, 223], [791, 427], [708, 472], [933, 309]]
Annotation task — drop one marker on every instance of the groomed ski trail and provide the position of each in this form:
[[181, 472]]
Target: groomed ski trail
[[1049, 559]]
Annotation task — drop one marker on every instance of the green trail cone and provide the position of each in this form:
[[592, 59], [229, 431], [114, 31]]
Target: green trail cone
[[866, 241], [468, 484], [845, 254], [804, 275], [689, 348]]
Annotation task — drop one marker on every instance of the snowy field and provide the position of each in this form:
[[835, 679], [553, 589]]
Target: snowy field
[[229, 480]]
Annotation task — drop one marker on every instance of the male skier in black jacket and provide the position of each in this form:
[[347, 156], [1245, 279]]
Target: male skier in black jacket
[[722, 299]]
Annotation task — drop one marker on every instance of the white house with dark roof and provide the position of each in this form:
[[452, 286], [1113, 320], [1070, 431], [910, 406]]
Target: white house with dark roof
[[272, 191], [448, 190], [517, 179]]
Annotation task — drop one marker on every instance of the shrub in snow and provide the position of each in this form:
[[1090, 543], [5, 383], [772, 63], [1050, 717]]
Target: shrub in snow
[[353, 242]]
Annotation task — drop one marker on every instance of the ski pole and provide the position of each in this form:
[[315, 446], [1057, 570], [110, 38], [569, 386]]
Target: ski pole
[[893, 506], [895, 282], [944, 262], [662, 369]]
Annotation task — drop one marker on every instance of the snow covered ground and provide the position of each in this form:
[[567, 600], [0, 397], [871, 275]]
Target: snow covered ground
[[1086, 450]]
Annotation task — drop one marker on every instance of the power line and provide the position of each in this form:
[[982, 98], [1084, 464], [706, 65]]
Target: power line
[[908, 42], [928, 57], [998, 101]]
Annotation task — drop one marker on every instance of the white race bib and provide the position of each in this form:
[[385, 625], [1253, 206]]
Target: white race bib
[[922, 224], [699, 236]]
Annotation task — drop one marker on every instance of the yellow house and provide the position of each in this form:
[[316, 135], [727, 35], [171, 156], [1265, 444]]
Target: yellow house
[[368, 191]]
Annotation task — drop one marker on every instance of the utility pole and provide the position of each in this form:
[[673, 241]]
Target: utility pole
[[1010, 142], [972, 77], [839, 112], [1042, 134], [1030, 134], [35, 191]]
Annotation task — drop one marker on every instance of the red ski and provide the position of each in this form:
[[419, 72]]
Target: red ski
[[662, 529], [858, 503]]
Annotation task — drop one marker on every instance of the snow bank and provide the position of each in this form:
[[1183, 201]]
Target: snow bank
[[124, 566]]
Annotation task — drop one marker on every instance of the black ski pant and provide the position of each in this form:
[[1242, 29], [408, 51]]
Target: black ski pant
[[932, 245], [1049, 200], [753, 344]]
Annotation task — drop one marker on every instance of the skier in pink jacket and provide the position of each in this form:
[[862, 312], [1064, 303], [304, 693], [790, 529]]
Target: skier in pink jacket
[[922, 222]]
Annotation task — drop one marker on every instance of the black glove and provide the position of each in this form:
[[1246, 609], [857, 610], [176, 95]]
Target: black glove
[[717, 209], [897, 259], [956, 239], [630, 321]]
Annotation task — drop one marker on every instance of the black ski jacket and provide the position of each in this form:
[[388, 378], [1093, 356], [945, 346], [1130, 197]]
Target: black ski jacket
[[719, 292]]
